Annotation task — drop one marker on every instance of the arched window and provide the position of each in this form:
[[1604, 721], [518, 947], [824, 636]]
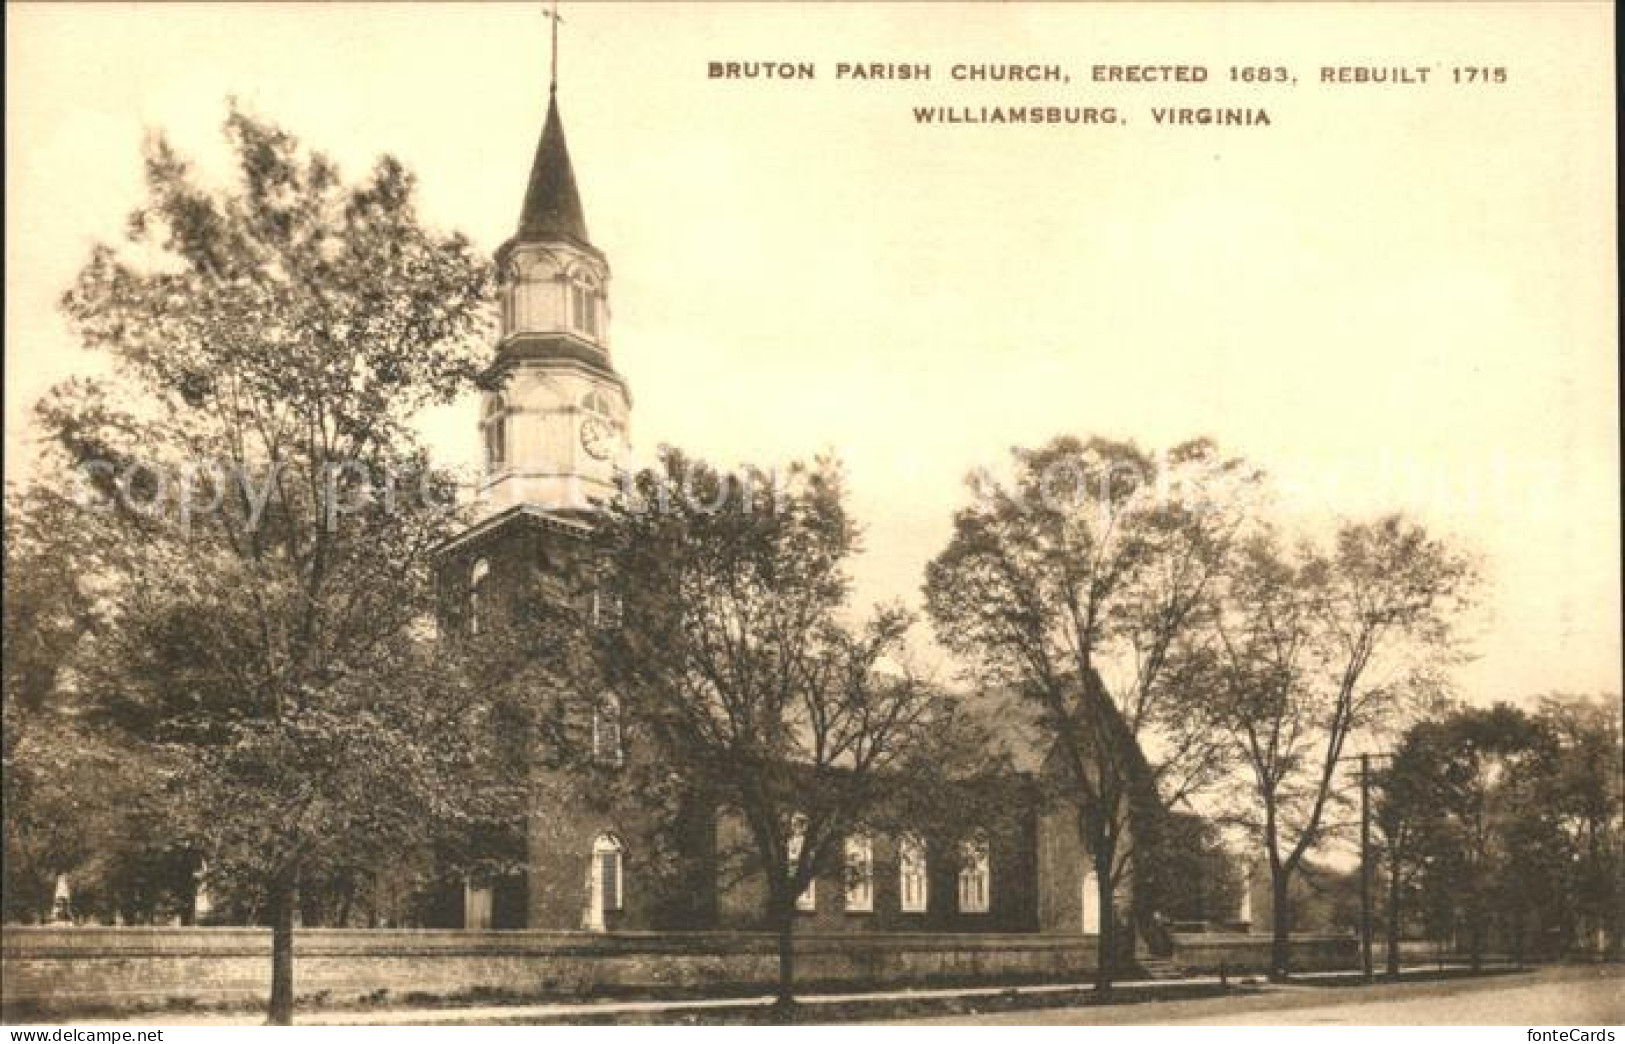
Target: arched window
[[975, 876], [477, 596], [860, 874], [494, 427], [606, 868], [606, 730], [607, 607], [596, 402], [913, 885], [808, 899]]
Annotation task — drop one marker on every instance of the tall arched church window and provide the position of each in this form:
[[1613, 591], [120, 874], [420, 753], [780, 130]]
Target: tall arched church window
[[607, 876], [975, 876], [478, 597], [606, 595], [913, 884], [808, 899], [606, 730], [494, 428], [607, 607], [860, 874]]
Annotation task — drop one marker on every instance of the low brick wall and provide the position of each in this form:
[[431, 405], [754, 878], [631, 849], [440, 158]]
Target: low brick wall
[[64, 970], [1235, 952]]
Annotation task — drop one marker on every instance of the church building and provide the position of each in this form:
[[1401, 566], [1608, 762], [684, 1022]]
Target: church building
[[553, 429]]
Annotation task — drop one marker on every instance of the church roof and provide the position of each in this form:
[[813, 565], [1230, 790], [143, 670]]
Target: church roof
[[552, 208], [569, 521]]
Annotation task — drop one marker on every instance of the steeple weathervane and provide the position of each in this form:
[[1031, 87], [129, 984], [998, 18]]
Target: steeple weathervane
[[552, 206], [552, 15]]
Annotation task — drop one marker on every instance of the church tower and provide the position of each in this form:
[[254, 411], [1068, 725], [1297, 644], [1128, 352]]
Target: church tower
[[556, 427]]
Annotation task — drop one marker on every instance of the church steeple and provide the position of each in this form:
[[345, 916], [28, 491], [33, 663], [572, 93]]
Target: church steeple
[[552, 209], [554, 282], [555, 430]]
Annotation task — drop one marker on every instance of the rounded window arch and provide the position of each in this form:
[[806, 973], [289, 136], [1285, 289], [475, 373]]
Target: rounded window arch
[[975, 874], [914, 882], [596, 401], [581, 270], [494, 430], [543, 265], [478, 578], [860, 872], [607, 745]]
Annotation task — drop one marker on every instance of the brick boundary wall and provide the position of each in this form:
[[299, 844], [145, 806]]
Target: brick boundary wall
[[44, 970], [66, 970], [1208, 952]]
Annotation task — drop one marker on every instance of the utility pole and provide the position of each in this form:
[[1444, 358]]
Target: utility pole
[[1365, 867]]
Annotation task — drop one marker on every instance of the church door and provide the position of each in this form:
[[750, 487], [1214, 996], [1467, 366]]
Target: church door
[[1090, 903], [603, 882], [476, 906]]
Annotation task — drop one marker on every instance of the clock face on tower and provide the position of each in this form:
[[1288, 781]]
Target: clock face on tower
[[598, 438]]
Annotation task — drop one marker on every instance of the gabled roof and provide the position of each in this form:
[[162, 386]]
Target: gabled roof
[[1018, 723], [1014, 724], [569, 522]]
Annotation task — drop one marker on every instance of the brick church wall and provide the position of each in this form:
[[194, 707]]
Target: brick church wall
[[1064, 867], [1013, 901], [666, 865]]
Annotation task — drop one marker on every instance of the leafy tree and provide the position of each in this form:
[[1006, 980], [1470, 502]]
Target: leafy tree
[[1406, 807], [1319, 648], [1490, 758], [78, 800], [733, 657], [269, 628], [1192, 875], [1501, 853], [1098, 556], [1587, 795], [46, 615]]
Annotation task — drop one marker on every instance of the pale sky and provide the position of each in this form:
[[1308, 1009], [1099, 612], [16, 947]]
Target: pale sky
[[1394, 297]]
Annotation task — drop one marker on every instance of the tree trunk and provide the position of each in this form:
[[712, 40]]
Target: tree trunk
[[1280, 925], [1394, 891], [1107, 904], [784, 916], [284, 898]]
